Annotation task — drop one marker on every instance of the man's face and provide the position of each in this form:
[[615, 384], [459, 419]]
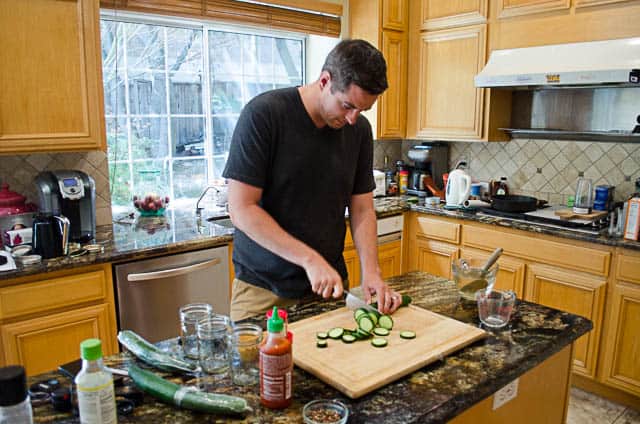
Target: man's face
[[343, 107]]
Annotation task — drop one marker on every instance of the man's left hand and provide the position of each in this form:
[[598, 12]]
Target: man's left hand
[[388, 300]]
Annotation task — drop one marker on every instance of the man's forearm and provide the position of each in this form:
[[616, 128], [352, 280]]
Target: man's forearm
[[364, 231]]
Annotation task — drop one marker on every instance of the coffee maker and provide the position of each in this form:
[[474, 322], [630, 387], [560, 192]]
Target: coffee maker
[[430, 159], [71, 194]]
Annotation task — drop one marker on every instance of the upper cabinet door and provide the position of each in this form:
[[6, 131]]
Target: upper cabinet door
[[392, 105], [509, 8], [395, 14], [438, 14], [50, 76], [449, 105]]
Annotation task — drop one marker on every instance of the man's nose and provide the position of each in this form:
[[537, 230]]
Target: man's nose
[[352, 116]]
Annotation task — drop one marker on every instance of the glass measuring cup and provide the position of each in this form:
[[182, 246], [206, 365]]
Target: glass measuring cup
[[495, 307]]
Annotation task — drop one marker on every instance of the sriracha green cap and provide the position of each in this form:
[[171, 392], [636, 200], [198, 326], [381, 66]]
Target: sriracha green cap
[[275, 324], [91, 349]]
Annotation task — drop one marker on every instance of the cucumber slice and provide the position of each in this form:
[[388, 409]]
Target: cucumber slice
[[358, 313], [321, 335], [322, 343], [362, 335], [408, 334], [379, 331], [336, 333], [386, 321], [348, 338], [378, 342], [366, 324], [373, 317]]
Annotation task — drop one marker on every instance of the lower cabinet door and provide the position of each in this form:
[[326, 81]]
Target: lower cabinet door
[[434, 257], [621, 352], [42, 344], [389, 255], [577, 293], [353, 266]]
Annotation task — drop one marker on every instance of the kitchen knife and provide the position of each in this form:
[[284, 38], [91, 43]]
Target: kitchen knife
[[354, 302]]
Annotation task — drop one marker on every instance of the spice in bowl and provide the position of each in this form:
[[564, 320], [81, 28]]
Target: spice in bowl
[[325, 412]]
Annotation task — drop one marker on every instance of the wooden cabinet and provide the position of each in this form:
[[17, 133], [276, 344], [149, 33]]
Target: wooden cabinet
[[432, 244], [384, 24], [619, 366], [43, 320], [389, 259], [450, 107], [575, 292], [508, 8], [437, 14], [51, 76], [395, 14]]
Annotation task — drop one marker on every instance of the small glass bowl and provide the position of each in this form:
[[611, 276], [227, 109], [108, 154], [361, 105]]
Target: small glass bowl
[[312, 412]]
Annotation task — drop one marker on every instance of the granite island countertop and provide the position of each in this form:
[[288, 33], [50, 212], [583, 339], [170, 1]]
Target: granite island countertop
[[433, 394]]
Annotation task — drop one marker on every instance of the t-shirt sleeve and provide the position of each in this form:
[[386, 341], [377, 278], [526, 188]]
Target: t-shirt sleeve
[[249, 151], [364, 181]]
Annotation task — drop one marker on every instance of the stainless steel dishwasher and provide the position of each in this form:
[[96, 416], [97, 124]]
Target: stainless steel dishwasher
[[151, 291]]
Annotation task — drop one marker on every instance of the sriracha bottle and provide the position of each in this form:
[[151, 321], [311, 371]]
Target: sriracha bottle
[[276, 365]]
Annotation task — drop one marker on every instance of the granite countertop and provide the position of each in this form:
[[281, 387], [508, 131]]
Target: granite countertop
[[131, 238], [433, 394], [134, 237]]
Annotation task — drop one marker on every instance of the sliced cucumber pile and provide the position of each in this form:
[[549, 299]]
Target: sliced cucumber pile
[[371, 325]]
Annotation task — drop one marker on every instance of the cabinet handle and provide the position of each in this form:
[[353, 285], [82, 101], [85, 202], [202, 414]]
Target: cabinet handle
[[155, 275]]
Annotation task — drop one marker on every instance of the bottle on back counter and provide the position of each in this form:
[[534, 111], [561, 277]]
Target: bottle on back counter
[[276, 365], [96, 397], [15, 405]]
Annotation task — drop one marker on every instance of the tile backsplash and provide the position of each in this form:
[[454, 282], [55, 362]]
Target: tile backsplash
[[19, 171], [547, 169]]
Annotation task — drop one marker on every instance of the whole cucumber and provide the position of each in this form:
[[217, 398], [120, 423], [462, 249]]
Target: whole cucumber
[[165, 391], [406, 301], [151, 354]]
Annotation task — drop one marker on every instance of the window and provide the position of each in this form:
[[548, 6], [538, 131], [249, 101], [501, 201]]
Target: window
[[173, 93]]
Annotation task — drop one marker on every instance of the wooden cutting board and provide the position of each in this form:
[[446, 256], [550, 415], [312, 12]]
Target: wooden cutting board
[[570, 214], [358, 368]]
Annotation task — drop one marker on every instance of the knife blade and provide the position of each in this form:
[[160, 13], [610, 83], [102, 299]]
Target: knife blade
[[354, 302]]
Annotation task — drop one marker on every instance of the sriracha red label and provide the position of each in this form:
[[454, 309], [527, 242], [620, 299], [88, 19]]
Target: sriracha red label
[[275, 377]]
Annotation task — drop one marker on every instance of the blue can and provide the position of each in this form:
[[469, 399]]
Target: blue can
[[602, 193]]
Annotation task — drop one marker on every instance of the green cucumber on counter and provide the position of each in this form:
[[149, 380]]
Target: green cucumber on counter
[[151, 354], [187, 398]]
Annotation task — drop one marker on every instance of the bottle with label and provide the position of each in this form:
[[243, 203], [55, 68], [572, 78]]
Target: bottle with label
[[276, 365], [15, 405], [404, 181], [96, 397], [503, 188]]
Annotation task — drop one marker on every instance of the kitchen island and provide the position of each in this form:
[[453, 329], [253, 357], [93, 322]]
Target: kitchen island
[[535, 348]]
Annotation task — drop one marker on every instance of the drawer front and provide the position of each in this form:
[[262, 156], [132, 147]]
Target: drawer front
[[539, 250], [438, 230], [54, 293], [628, 268]]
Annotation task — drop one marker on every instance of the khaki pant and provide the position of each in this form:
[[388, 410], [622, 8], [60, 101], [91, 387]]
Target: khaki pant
[[248, 300]]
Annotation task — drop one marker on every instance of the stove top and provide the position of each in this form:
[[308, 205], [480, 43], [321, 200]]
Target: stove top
[[576, 225]]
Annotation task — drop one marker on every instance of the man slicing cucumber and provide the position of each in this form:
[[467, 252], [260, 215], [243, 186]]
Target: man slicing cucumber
[[294, 165]]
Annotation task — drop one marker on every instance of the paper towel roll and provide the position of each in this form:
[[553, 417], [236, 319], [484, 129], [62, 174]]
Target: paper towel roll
[[476, 204]]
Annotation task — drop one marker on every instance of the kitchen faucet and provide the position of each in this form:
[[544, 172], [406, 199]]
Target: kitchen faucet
[[220, 194]]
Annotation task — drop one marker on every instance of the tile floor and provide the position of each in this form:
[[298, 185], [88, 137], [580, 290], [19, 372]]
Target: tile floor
[[586, 408]]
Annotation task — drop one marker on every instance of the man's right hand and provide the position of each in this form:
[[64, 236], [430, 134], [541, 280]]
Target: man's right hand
[[325, 280]]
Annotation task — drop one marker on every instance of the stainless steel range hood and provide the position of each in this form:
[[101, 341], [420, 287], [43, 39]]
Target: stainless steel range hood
[[577, 64], [581, 91]]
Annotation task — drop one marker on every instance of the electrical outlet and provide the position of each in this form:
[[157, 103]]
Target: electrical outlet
[[505, 394]]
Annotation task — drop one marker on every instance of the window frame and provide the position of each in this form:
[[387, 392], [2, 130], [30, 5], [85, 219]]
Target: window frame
[[204, 25]]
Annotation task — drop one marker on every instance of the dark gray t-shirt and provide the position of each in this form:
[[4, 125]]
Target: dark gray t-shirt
[[307, 175]]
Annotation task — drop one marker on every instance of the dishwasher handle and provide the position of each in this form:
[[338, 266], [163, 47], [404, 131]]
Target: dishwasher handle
[[156, 275]]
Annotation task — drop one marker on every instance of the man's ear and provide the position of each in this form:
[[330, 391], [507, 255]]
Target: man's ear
[[324, 79]]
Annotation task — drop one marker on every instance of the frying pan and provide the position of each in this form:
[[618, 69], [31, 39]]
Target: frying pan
[[514, 203]]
